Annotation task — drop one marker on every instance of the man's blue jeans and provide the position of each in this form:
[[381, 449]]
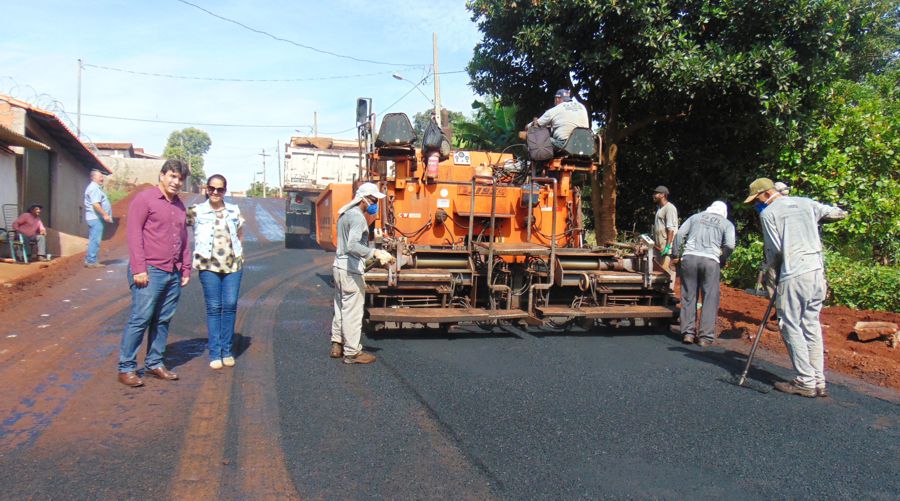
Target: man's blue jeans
[[221, 292], [152, 308], [95, 234]]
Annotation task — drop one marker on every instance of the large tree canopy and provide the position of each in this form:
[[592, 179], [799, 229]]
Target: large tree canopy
[[731, 71], [189, 145]]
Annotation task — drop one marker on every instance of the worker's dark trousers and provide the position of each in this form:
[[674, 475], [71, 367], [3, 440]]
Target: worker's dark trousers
[[699, 274]]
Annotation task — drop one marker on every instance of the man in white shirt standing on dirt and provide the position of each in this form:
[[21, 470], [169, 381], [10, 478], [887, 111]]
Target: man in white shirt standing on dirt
[[793, 248], [97, 210]]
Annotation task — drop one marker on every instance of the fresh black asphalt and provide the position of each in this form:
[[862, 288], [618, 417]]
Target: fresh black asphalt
[[612, 414]]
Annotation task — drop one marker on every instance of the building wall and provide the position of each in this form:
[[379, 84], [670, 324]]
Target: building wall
[[133, 171], [68, 179], [8, 188]]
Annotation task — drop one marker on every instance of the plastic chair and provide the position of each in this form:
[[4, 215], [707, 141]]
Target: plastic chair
[[18, 249]]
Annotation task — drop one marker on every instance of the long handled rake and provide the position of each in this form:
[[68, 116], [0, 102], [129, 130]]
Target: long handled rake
[[743, 381]]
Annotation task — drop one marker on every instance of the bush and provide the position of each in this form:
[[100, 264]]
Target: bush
[[861, 285], [116, 194], [744, 264], [851, 283]]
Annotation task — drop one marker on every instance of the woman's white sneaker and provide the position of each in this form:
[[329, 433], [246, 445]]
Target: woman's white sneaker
[[228, 361], [216, 364]]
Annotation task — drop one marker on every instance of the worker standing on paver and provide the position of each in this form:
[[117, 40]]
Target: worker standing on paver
[[792, 247], [349, 265], [701, 247], [665, 224]]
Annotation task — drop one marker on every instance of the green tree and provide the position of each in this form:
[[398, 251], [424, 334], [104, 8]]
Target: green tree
[[493, 127], [850, 156], [743, 67], [256, 190], [189, 145]]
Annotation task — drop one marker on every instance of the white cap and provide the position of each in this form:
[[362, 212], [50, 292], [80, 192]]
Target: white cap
[[368, 190], [782, 188], [719, 208], [364, 190]]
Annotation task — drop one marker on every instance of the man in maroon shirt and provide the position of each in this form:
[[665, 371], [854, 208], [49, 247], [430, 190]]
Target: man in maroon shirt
[[159, 266], [30, 226]]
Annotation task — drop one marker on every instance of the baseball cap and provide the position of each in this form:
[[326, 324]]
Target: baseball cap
[[661, 189], [33, 205], [564, 94], [760, 185], [368, 190]]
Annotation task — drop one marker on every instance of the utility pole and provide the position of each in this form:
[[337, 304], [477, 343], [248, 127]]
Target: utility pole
[[315, 124], [280, 157], [437, 82], [264, 155], [78, 123]]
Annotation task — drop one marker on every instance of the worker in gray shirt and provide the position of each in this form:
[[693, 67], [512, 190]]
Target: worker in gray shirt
[[349, 265], [665, 224], [792, 247], [563, 117], [702, 245]]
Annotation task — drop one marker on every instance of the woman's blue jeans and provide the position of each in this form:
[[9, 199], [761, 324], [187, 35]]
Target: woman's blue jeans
[[221, 291]]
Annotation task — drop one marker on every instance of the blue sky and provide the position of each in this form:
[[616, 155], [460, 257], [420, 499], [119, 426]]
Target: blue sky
[[40, 49]]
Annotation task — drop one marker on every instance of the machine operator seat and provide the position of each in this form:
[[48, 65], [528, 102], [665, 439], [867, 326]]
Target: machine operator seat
[[580, 144], [396, 132]]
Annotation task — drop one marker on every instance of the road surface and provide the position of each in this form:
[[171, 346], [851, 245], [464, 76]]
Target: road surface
[[441, 415]]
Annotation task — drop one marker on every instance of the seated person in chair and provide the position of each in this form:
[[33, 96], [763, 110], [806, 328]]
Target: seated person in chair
[[30, 226], [563, 117]]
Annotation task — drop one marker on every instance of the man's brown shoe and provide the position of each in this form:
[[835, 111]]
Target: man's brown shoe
[[821, 391], [359, 358], [337, 349], [130, 379], [688, 339], [795, 389], [162, 373]]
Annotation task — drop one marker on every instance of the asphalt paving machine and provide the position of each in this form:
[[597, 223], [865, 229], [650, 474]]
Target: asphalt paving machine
[[490, 238]]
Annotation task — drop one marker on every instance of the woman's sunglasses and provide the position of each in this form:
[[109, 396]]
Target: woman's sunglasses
[[220, 191]]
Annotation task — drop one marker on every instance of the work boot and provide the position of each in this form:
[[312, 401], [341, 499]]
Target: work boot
[[821, 391], [337, 349], [688, 339], [704, 342], [130, 379], [359, 358], [795, 389]]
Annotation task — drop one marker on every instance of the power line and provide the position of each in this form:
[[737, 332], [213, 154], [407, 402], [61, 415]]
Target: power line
[[298, 44], [205, 124], [226, 79], [401, 98]]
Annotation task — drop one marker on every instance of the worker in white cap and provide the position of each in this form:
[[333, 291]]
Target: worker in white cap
[[349, 265], [702, 245]]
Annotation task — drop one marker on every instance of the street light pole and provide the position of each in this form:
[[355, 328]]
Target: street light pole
[[415, 85]]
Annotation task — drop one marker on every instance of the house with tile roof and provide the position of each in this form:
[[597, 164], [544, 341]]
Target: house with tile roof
[[49, 165]]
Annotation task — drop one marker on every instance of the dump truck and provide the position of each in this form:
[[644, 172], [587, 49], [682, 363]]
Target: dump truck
[[310, 164], [490, 238]]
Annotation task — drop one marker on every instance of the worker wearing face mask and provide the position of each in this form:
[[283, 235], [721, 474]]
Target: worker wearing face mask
[[349, 266], [793, 248]]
